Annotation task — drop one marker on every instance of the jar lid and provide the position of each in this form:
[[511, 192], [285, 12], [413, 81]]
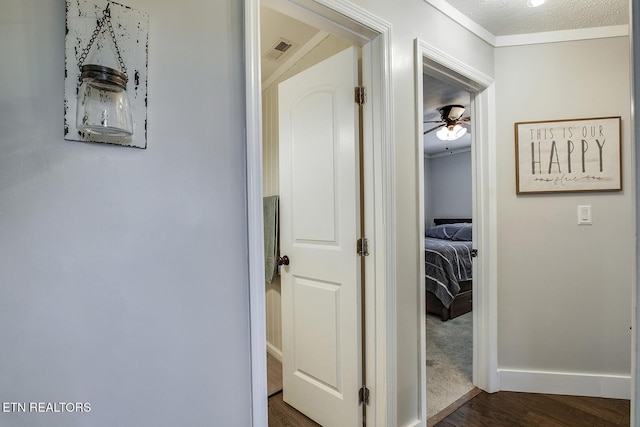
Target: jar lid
[[104, 74]]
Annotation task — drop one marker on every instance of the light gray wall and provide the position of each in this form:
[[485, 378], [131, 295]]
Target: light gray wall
[[449, 190], [123, 272], [564, 290]]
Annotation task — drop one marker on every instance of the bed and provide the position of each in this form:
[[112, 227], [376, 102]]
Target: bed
[[448, 272]]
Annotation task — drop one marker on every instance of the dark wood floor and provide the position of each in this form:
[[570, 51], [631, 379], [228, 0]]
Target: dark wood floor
[[283, 415], [502, 409], [525, 409]]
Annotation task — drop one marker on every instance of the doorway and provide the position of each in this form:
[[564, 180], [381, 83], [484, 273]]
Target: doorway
[[437, 64], [373, 37], [318, 148], [447, 244]]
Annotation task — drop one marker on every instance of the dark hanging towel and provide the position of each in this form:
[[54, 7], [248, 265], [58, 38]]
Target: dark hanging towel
[[270, 207]]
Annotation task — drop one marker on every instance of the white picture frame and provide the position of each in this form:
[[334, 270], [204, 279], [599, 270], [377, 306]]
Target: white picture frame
[[574, 155]]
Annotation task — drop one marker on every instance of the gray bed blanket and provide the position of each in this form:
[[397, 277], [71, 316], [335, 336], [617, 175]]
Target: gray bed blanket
[[447, 262]]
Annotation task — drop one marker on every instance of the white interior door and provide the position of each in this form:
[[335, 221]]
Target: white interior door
[[319, 227]]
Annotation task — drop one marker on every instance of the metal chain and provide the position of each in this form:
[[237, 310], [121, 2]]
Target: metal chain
[[86, 50], [105, 18], [107, 12]]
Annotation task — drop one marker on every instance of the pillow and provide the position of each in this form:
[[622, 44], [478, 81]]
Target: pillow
[[464, 233], [443, 231]]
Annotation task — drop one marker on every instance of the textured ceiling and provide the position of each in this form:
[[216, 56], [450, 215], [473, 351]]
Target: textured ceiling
[[500, 17], [509, 17]]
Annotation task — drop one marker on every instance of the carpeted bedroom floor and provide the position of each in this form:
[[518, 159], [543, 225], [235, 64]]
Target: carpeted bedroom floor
[[449, 361]]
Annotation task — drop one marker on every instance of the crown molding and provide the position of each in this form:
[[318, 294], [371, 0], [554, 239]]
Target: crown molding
[[463, 20], [531, 38], [563, 36]]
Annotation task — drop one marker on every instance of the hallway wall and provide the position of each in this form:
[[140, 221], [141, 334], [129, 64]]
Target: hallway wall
[[564, 290], [123, 272]]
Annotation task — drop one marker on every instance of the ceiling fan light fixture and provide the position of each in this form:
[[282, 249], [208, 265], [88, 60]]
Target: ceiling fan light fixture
[[535, 3], [452, 112], [459, 131], [451, 133], [443, 134]]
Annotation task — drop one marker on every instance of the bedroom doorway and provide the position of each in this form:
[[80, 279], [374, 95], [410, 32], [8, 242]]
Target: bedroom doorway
[[465, 102], [447, 218]]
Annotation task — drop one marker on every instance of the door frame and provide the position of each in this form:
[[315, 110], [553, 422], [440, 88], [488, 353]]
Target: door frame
[[374, 34], [634, 43], [442, 66]]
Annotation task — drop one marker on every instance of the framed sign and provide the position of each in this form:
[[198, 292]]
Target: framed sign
[[568, 155]]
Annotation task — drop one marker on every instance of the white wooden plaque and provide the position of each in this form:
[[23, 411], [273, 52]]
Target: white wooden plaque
[[131, 28]]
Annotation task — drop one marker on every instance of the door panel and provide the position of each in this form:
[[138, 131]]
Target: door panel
[[320, 223], [312, 175], [320, 367]]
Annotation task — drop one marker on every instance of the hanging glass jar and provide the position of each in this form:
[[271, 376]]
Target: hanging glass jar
[[103, 105]]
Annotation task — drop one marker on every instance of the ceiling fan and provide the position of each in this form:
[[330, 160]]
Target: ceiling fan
[[451, 122]]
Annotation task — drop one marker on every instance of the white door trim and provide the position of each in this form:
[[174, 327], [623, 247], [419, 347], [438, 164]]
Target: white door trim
[[257, 295], [447, 68], [634, 38], [378, 160]]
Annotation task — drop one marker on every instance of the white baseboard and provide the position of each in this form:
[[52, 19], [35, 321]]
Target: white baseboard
[[569, 383], [275, 352]]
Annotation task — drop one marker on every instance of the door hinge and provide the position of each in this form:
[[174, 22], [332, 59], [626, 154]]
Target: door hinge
[[363, 246], [363, 395], [360, 95], [474, 253]]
